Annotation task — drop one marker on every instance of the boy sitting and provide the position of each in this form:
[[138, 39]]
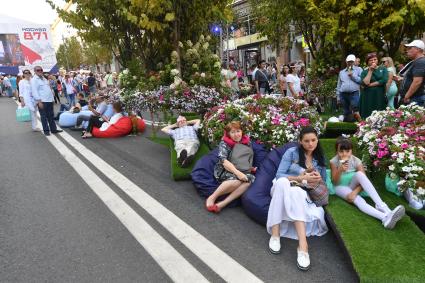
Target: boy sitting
[[186, 142]]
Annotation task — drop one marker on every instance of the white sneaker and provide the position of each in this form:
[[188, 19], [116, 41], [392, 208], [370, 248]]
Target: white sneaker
[[393, 217], [303, 260], [274, 245]]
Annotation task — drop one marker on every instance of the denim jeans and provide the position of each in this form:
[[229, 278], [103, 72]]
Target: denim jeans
[[350, 101], [63, 108], [420, 100], [72, 99], [46, 115]]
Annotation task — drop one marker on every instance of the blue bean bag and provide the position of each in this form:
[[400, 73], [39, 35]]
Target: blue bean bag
[[203, 171], [68, 119], [256, 199]]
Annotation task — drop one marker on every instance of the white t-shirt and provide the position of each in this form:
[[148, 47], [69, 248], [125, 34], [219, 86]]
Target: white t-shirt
[[290, 78]]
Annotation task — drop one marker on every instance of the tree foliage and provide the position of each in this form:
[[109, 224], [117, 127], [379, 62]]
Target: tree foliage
[[332, 29], [142, 32], [70, 54], [95, 53]]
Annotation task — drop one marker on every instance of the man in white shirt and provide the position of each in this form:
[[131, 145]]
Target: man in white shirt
[[43, 96]]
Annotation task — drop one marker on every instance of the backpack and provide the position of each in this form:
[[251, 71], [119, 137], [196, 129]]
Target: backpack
[[242, 157]]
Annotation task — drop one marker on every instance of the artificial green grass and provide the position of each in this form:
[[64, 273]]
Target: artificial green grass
[[334, 130], [178, 173], [377, 254]]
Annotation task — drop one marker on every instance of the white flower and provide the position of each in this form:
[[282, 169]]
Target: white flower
[[202, 75], [174, 72], [391, 167], [125, 72]]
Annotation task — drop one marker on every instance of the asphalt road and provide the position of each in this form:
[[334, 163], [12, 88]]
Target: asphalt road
[[55, 228]]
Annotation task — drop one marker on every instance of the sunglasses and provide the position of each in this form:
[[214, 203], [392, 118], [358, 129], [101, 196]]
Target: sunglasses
[[27, 73], [39, 70], [384, 62]]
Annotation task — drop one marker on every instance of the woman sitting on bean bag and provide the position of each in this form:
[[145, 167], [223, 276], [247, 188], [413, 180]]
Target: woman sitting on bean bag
[[103, 123], [291, 213], [234, 167]]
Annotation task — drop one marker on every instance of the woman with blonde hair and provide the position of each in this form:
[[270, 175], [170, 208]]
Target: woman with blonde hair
[[391, 86]]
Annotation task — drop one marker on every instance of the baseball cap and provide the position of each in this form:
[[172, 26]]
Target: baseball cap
[[416, 43], [350, 57]]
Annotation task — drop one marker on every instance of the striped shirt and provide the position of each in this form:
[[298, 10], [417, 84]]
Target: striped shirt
[[184, 133]]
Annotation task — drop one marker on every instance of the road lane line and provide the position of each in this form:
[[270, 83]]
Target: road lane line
[[221, 263], [171, 261]]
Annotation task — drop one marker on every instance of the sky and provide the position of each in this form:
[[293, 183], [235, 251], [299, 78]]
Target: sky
[[36, 11]]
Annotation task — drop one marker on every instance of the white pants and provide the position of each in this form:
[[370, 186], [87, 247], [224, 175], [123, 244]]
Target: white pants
[[34, 118], [191, 146], [291, 204], [361, 179]]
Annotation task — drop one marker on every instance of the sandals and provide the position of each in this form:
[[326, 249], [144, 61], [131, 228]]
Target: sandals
[[213, 208]]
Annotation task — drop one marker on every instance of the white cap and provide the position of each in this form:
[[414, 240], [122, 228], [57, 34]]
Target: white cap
[[350, 57], [416, 43]]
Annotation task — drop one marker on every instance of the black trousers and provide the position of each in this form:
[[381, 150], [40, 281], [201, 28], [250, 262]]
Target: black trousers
[[95, 121]]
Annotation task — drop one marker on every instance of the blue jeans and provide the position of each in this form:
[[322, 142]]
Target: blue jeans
[[72, 99], [420, 100], [350, 101], [46, 115]]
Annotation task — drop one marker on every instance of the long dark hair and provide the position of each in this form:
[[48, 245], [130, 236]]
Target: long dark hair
[[317, 153]]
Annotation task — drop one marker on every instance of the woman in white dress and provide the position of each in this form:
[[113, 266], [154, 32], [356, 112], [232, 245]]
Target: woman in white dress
[[27, 99], [291, 213]]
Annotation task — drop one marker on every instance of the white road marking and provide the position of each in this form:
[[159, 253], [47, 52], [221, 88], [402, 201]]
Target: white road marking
[[221, 263], [225, 266], [171, 261]]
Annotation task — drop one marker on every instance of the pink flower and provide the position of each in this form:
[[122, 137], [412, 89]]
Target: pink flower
[[304, 122], [376, 163], [404, 146], [403, 124], [382, 145], [276, 121], [410, 132]]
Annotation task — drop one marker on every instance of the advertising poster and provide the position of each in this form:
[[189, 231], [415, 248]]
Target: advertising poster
[[24, 46]]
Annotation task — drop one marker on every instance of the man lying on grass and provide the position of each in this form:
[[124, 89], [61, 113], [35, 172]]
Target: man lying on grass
[[186, 142]]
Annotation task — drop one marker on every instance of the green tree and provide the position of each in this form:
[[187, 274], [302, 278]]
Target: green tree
[[332, 29], [70, 54], [141, 33], [95, 53]]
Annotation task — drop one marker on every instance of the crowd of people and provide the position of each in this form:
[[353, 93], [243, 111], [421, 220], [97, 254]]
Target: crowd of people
[[292, 213], [360, 89], [39, 90]]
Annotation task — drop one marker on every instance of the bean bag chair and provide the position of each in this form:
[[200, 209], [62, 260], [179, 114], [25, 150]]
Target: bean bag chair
[[121, 128], [203, 171], [256, 199], [141, 125], [68, 119]]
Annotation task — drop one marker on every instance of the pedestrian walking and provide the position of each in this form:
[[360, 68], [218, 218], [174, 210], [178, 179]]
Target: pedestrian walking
[[43, 96], [374, 80], [282, 80], [413, 85]]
